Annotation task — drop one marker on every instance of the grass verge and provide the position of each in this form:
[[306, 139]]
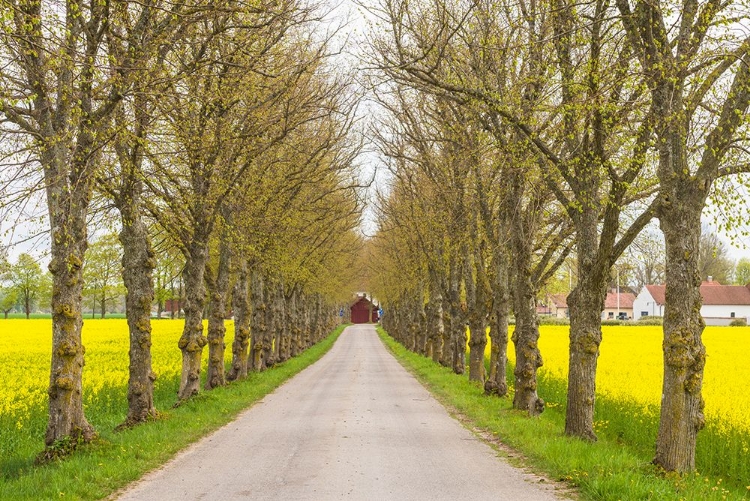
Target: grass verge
[[115, 459], [606, 470]]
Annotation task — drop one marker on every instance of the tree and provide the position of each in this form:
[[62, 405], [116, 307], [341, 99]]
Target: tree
[[26, 279], [102, 272], [713, 259], [698, 78], [645, 257], [742, 271]]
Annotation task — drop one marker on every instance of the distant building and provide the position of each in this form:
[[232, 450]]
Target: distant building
[[622, 308], [360, 311], [558, 305], [721, 303]]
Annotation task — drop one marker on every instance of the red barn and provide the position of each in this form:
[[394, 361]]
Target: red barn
[[360, 311]]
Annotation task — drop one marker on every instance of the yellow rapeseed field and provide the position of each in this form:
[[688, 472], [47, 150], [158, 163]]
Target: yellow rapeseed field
[[25, 351], [630, 367]]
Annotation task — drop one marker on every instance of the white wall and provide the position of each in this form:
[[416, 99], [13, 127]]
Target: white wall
[[720, 311], [644, 302]]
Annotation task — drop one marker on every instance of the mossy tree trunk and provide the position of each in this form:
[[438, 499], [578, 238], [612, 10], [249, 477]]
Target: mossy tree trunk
[[138, 263], [496, 383], [192, 340], [241, 308], [526, 332], [259, 328], [218, 289]]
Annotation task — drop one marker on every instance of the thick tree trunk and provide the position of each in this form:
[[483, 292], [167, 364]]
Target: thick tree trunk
[[526, 333], [192, 340], [138, 263], [585, 303], [218, 290], [67, 213], [259, 327], [496, 383], [104, 305], [684, 353], [528, 356], [241, 307], [476, 296]]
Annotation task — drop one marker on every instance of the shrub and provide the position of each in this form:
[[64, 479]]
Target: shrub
[[738, 322], [650, 320], [550, 320]]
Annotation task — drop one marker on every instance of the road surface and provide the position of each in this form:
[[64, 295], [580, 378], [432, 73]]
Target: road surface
[[354, 425]]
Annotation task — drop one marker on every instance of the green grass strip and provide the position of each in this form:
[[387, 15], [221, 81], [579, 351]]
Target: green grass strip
[[605, 470], [98, 469]]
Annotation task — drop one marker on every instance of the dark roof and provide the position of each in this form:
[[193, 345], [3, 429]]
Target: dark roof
[[713, 293], [361, 299]]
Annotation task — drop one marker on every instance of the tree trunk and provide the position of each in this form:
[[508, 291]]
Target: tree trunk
[[67, 214], [241, 307], [192, 340], [526, 333], [138, 263], [496, 383], [216, 328], [684, 353], [104, 305], [259, 327]]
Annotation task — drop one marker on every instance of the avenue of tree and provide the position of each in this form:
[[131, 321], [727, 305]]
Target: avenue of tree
[[217, 135], [524, 135], [521, 137]]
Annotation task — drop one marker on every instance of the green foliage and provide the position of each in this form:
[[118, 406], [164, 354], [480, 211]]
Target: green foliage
[[742, 272], [102, 273], [25, 280], [550, 320], [651, 320], [738, 322]]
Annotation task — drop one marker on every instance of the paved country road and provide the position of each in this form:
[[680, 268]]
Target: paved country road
[[354, 425]]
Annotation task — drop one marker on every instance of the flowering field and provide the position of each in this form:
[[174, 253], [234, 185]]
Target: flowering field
[[25, 352], [629, 379]]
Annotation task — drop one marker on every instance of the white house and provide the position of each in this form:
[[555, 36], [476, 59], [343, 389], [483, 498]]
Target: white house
[[721, 303]]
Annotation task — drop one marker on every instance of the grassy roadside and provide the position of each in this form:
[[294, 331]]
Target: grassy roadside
[[117, 458], [605, 470]]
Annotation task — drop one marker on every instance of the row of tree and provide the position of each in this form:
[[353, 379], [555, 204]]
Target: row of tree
[[520, 132], [215, 130]]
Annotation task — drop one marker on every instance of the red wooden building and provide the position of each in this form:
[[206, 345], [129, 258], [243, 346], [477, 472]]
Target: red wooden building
[[360, 311]]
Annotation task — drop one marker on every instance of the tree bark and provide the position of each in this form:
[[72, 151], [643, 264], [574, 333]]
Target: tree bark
[[192, 340], [241, 307], [138, 263], [259, 327], [496, 383], [684, 353], [526, 334], [67, 212], [218, 290]]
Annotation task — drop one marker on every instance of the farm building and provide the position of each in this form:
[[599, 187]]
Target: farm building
[[721, 303], [614, 308], [558, 305], [361, 310]]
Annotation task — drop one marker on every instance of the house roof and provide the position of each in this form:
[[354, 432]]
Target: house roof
[[626, 300], [364, 300], [713, 293], [559, 300]]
